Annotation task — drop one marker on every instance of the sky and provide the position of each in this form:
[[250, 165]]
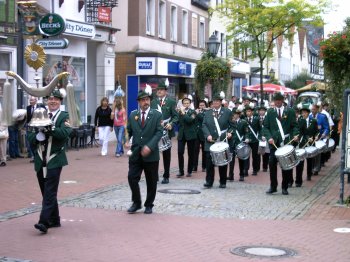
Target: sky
[[334, 21]]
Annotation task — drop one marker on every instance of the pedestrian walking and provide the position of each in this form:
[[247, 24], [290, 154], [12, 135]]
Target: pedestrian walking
[[119, 122], [104, 124]]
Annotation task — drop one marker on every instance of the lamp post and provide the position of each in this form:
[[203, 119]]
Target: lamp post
[[213, 45]]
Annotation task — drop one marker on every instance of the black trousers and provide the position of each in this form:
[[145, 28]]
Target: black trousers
[[190, 152], [134, 176], [265, 160], [243, 165], [49, 187], [299, 173], [310, 166], [198, 145], [255, 157], [287, 175], [210, 171], [166, 162]]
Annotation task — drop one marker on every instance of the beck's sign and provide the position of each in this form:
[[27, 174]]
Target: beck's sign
[[52, 24]]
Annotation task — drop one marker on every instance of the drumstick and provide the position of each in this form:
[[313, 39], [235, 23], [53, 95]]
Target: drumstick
[[291, 141], [275, 145]]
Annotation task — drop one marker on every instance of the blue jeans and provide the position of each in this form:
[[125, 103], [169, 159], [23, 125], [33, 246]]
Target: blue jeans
[[119, 133], [13, 142]]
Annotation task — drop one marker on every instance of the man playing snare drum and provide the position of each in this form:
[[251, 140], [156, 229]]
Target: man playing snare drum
[[215, 128], [170, 117], [280, 127]]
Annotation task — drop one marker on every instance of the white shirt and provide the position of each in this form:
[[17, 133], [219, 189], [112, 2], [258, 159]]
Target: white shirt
[[281, 109], [146, 113]]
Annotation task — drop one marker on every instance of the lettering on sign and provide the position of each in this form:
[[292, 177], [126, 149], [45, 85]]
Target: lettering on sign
[[79, 29], [145, 65]]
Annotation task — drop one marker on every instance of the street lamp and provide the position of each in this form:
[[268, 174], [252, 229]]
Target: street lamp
[[213, 45], [272, 74]]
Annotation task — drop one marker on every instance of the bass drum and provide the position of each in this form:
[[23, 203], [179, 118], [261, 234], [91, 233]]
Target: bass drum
[[287, 157], [243, 151], [220, 154]]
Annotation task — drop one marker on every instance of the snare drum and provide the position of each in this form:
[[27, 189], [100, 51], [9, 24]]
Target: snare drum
[[301, 154], [331, 145], [311, 151], [243, 151], [220, 154], [321, 146], [164, 142], [287, 157]]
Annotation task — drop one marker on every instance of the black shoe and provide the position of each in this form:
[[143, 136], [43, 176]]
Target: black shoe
[[246, 174], [285, 192], [134, 207], [31, 161], [271, 191], [255, 174], [20, 156], [308, 178], [180, 175], [290, 184], [265, 170], [194, 170], [297, 185], [189, 174], [3, 164], [203, 169], [222, 186], [207, 185], [148, 210], [241, 178], [165, 180], [230, 179], [315, 173], [54, 224], [41, 227]]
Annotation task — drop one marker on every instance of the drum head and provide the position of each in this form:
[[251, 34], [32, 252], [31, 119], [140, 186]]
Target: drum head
[[331, 142], [219, 146], [284, 150]]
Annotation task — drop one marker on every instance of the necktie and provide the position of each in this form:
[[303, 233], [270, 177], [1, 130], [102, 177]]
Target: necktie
[[279, 113], [161, 102], [216, 113], [50, 115], [143, 119], [32, 110], [250, 120]]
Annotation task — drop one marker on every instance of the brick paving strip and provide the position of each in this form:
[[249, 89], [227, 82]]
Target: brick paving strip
[[239, 200]]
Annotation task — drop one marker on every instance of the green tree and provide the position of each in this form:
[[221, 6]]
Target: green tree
[[213, 70], [299, 80], [335, 52], [258, 23]]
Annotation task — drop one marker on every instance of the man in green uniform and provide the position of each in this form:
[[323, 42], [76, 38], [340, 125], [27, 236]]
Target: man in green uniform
[[187, 134], [280, 126], [215, 128], [144, 126], [49, 158], [167, 106]]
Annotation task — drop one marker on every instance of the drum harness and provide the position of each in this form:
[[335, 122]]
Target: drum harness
[[220, 132]]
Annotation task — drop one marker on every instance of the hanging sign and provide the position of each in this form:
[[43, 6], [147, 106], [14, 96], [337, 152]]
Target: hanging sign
[[52, 24]]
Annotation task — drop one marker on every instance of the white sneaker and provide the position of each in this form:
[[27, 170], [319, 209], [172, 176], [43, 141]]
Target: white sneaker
[[117, 155]]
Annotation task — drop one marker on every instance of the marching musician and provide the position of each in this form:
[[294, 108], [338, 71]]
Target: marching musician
[[49, 158], [265, 156], [240, 134], [326, 155], [215, 128], [323, 132], [187, 134], [253, 136], [167, 106], [200, 141], [280, 127]]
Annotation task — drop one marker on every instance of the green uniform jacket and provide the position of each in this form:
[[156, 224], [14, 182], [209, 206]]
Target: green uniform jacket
[[187, 126], [289, 125], [255, 125], [209, 128], [149, 135], [199, 123], [168, 111], [60, 135], [243, 130]]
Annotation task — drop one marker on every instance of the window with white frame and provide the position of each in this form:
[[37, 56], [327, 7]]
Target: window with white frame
[[162, 20], [185, 27], [173, 23], [194, 30], [201, 32], [150, 17]]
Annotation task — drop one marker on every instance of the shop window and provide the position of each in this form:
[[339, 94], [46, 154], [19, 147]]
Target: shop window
[[76, 67]]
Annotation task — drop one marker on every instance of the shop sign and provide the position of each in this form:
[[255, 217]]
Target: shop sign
[[104, 14], [52, 24], [179, 68], [53, 43], [145, 65], [79, 29]]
